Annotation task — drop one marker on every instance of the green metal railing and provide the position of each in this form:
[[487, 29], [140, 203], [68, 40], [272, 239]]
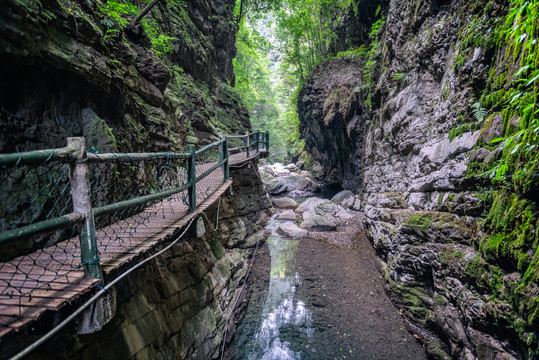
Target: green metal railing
[[69, 191]]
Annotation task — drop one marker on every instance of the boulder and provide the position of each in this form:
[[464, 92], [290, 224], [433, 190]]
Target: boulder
[[295, 182], [357, 204], [287, 215], [343, 214], [309, 204], [348, 202], [300, 194], [279, 170], [317, 222], [275, 187], [290, 229], [326, 208], [343, 196], [306, 174], [291, 167], [267, 169], [284, 203]]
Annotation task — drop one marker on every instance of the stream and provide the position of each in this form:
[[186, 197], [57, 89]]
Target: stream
[[308, 299], [283, 326]]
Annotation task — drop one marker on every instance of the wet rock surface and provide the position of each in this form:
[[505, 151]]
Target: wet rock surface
[[291, 230], [284, 202]]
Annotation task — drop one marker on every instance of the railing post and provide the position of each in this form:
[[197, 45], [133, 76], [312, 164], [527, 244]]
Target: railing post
[[223, 155], [247, 143], [258, 142], [267, 140], [192, 179], [80, 194]]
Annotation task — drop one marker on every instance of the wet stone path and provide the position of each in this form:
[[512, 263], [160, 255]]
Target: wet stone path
[[309, 299]]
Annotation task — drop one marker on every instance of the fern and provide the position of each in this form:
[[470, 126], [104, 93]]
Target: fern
[[478, 111], [108, 23]]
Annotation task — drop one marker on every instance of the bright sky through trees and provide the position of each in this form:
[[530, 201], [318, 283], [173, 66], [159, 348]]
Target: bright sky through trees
[[279, 43]]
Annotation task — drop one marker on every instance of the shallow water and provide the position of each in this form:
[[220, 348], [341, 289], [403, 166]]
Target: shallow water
[[281, 328]]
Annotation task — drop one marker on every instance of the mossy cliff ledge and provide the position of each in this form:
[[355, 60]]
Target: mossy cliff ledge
[[72, 68], [411, 124], [176, 306]]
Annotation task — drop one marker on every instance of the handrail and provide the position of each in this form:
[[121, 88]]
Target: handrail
[[78, 158], [38, 228], [119, 157], [37, 156]]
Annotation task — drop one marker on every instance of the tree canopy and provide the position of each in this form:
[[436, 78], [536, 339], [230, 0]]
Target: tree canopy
[[279, 43]]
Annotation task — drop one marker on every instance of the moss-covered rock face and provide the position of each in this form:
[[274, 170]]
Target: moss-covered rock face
[[157, 86], [442, 88]]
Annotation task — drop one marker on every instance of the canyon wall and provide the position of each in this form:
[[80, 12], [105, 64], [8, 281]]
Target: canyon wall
[[177, 305], [408, 124], [78, 68]]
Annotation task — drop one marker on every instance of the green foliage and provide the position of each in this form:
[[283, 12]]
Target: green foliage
[[116, 15], [162, 43], [255, 9], [305, 30], [511, 241], [480, 31], [301, 32], [478, 111], [399, 76], [516, 97], [511, 223], [256, 89], [116, 12], [370, 63], [251, 68], [359, 52]]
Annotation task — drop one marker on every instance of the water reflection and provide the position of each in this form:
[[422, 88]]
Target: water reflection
[[286, 324]]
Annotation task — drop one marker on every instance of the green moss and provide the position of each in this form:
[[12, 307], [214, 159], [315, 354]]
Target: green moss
[[419, 221], [460, 130], [428, 220], [440, 199], [440, 300], [511, 242], [511, 231], [450, 255], [483, 275]]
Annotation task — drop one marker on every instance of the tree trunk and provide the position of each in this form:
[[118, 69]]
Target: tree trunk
[[144, 12]]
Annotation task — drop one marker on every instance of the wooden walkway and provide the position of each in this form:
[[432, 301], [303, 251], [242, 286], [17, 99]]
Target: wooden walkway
[[50, 279]]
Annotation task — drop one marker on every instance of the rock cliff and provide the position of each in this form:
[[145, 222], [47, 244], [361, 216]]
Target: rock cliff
[[403, 124], [72, 68]]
